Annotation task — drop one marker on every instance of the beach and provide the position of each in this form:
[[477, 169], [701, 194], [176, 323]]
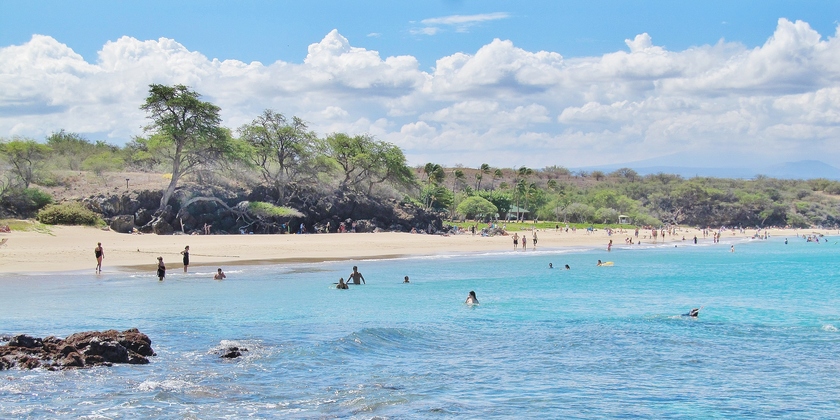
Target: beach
[[70, 248]]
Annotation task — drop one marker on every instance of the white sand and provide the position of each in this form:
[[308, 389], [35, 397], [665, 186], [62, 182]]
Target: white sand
[[70, 248]]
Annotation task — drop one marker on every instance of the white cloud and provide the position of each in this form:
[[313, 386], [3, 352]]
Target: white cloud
[[501, 104], [459, 23]]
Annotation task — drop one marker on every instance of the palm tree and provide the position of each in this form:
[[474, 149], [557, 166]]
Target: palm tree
[[484, 169], [497, 174]]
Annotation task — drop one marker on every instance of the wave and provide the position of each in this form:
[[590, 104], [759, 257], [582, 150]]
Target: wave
[[376, 340]]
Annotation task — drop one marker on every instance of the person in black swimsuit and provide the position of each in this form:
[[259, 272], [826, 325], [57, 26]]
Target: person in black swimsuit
[[100, 254], [186, 254], [161, 269]]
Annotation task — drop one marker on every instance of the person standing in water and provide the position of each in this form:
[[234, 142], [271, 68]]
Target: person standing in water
[[355, 276], [186, 254], [471, 299], [406, 280], [161, 269], [341, 284], [99, 253], [219, 275]]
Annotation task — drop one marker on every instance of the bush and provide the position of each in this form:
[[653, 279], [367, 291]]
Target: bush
[[24, 201], [262, 209], [68, 214]]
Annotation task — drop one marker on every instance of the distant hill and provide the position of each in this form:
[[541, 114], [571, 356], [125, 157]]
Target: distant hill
[[805, 169]]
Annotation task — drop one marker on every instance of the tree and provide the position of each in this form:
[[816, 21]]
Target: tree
[[26, 157], [497, 174], [579, 212], [484, 169], [185, 132], [474, 206], [366, 162], [283, 151]]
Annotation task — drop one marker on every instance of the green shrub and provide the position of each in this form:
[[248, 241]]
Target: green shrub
[[68, 214], [39, 198], [262, 209]]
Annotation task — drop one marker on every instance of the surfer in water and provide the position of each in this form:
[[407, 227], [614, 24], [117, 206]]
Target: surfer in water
[[471, 299]]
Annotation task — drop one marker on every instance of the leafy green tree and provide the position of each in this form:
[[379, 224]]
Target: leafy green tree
[[437, 197], [186, 132], [580, 212], [606, 215], [283, 151], [366, 162], [25, 157], [474, 206]]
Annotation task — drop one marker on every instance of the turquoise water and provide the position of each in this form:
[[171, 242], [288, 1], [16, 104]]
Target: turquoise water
[[588, 342]]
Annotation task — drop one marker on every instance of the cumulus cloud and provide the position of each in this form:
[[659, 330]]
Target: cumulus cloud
[[501, 104]]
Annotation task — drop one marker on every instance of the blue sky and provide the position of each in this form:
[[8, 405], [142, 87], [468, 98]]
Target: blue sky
[[505, 82]]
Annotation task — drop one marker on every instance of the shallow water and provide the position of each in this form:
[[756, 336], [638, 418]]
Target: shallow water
[[587, 342]]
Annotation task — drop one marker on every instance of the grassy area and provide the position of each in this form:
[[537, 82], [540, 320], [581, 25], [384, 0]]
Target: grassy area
[[528, 225], [26, 226]]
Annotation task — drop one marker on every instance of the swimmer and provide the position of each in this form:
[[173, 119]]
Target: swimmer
[[567, 267], [600, 263], [406, 280], [355, 276], [161, 269], [693, 313], [341, 284], [471, 299], [732, 248], [219, 275], [550, 265]]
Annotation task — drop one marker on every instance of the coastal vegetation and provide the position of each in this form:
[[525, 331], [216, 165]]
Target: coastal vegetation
[[284, 167]]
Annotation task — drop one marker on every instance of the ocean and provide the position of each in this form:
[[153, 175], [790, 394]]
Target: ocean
[[589, 342]]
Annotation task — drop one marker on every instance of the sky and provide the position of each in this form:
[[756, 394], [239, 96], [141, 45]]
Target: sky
[[508, 83]]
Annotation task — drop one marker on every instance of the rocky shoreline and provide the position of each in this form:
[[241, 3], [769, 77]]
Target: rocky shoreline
[[79, 350], [226, 211]]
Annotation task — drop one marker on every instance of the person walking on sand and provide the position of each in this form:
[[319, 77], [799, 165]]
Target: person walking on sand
[[186, 254], [535, 239], [355, 276], [219, 275], [161, 269], [99, 253], [515, 241], [524, 243]]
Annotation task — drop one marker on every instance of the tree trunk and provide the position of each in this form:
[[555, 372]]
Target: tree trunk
[[167, 193]]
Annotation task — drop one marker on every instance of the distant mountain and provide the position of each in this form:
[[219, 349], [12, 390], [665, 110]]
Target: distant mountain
[[805, 169]]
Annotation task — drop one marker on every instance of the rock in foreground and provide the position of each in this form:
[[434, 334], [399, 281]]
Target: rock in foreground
[[80, 350]]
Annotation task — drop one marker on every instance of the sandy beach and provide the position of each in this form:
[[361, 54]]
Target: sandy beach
[[70, 248]]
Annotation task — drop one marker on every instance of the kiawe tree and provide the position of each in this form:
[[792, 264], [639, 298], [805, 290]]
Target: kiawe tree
[[284, 151], [186, 132], [366, 162]]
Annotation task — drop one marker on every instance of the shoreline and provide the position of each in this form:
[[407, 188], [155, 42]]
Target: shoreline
[[67, 249]]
